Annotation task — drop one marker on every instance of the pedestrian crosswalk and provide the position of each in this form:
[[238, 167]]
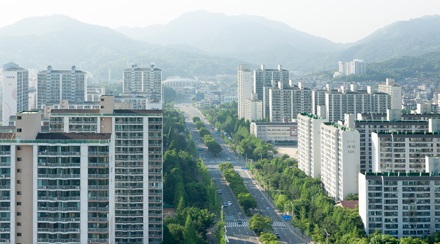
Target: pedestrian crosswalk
[[275, 224], [279, 224], [236, 224]]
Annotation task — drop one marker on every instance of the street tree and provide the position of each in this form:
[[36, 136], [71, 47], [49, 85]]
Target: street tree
[[259, 223]]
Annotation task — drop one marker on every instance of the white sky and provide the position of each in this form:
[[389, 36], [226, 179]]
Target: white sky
[[336, 20]]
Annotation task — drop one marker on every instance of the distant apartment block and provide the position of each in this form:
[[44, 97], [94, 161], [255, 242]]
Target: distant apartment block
[[96, 177], [266, 78], [15, 90], [94, 93], [244, 90], [143, 81], [276, 133], [253, 108], [57, 85], [287, 101], [309, 144], [395, 91], [339, 160], [354, 67], [340, 102]]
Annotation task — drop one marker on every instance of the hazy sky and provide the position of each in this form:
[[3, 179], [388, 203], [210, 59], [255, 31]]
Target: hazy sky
[[336, 20]]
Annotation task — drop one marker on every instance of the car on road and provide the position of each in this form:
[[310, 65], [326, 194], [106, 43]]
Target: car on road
[[278, 235], [219, 192], [239, 221], [225, 204], [229, 203]]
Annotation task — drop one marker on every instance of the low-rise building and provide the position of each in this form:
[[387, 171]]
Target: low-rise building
[[277, 133]]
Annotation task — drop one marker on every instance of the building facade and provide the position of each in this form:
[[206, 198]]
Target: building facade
[[277, 133], [145, 81], [309, 144], [57, 85], [400, 204], [395, 91], [15, 82], [96, 177], [244, 90], [339, 160]]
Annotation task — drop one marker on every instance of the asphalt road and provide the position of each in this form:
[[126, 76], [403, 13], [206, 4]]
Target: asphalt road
[[236, 222]]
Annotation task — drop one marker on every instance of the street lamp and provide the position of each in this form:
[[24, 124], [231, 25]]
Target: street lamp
[[326, 239], [291, 203]]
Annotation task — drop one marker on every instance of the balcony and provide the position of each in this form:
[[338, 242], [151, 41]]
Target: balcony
[[98, 176], [59, 209], [97, 219], [55, 176], [50, 219], [98, 230], [49, 198], [59, 230]]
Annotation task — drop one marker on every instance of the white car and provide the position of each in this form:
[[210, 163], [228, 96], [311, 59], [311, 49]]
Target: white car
[[229, 203]]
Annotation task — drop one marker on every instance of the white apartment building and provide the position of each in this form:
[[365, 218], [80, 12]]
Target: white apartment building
[[286, 102], [96, 177], [354, 67], [94, 93], [143, 81], [403, 152], [309, 144], [367, 125], [57, 85], [400, 204], [339, 160], [340, 102], [253, 108], [394, 90], [277, 133], [15, 89], [244, 89], [267, 78], [318, 99]]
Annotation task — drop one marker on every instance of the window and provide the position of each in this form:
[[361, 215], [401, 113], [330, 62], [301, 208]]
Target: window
[[18, 223], [18, 159], [18, 203], [18, 181], [18, 213], [18, 170], [18, 192], [18, 234], [18, 148], [18, 129], [18, 117]]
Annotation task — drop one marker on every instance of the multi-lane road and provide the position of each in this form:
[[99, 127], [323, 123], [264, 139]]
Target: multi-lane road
[[236, 222]]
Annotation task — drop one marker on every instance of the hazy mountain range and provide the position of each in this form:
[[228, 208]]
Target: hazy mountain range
[[201, 43]]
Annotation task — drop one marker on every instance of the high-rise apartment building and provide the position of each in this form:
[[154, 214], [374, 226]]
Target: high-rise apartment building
[[286, 102], [394, 90], [15, 82], [96, 177], [53, 86], [265, 78], [253, 108], [354, 67], [403, 152], [244, 89], [366, 127], [400, 204], [145, 81], [339, 160], [309, 144]]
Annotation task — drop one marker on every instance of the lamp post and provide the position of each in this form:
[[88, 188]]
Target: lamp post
[[326, 238], [291, 203]]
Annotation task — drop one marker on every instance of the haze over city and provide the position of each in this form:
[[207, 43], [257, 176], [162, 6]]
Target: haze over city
[[340, 21]]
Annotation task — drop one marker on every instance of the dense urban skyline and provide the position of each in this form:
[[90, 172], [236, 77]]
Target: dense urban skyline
[[339, 21]]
